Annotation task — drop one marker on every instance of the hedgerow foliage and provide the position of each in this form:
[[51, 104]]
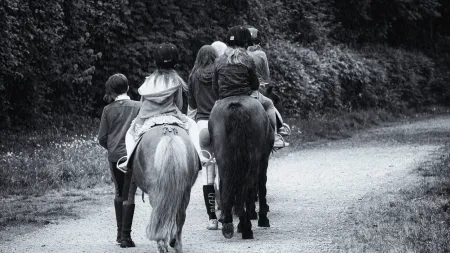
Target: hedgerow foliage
[[56, 54], [339, 78]]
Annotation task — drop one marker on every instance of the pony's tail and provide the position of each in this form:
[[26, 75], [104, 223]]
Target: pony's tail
[[240, 168], [172, 174]]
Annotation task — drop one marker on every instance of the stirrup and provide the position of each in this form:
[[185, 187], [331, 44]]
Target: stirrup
[[211, 159], [288, 128], [118, 165], [285, 144]]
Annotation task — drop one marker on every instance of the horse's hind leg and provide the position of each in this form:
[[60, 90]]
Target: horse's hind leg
[[252, 210], [226, 216], [227, 225], [162, 246], [263, 221], [244, 219], [176, 242]]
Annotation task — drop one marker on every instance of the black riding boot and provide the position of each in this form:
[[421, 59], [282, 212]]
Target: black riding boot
[[210, 200], [128, 212], [210, 203], [118, 206]]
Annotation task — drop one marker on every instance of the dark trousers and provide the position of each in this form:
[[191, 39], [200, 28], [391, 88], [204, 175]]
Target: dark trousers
[[118, 178]]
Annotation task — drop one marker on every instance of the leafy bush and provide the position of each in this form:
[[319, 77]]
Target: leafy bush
[[338, 78], [56, 55]]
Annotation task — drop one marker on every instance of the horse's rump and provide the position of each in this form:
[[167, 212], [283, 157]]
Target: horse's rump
[[165, 167], [240, 131]]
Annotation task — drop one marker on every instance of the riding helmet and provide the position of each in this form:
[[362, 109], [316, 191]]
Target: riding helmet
[[166, 56], [238, 36], [255, 37]]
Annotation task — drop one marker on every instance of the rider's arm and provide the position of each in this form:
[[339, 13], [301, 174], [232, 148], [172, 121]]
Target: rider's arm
[[191, 98], [215, 83], [252, 77], [103, 131], [178, 98], [266, 74]]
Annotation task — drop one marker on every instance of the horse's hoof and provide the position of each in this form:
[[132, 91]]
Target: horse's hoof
[[172, 243], [228, 230], [263, 222], [253, 215], [247, 234]]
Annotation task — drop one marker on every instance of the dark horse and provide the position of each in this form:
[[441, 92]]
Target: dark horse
[[242, 141], [165, 166]]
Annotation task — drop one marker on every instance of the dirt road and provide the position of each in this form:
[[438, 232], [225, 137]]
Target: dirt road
[[310, 192]]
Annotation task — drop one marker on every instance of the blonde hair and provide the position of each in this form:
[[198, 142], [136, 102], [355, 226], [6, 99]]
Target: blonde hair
[[237, 55], [161, 80]]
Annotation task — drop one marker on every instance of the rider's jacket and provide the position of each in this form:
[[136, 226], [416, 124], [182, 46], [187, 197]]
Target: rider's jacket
[[201, 95], [235, 74], [116, 119], [261, 63]]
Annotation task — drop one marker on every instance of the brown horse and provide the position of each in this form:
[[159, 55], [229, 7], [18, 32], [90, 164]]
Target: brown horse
[[242, 140], [165, 166]]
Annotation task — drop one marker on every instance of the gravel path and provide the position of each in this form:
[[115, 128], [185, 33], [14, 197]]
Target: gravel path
[[310, 192]]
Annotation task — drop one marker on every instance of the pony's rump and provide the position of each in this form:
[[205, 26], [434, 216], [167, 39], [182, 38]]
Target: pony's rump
[[166, 159], [238, 116]]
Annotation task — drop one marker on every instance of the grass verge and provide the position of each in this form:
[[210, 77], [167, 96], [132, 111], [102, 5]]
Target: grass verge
[[35, 162], [340, 125], [415, 219]]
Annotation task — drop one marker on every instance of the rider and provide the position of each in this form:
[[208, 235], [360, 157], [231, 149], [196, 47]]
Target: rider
[[219, 46], [202, 97], [115, 121], [262, 70], [236, 75], [161, 102]]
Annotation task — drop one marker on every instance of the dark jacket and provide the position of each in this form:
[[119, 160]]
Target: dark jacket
[[116, 119], [235, 79], [201, 95], [261, 63]]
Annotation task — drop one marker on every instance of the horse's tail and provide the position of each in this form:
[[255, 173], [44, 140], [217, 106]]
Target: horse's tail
[[241, 168], [172, 172]]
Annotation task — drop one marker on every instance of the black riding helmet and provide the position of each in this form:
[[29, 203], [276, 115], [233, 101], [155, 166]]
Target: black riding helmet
[[166, 56], [255, 36], [238, 36]]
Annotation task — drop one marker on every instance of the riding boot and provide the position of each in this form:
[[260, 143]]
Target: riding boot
[[210, 203], [118, 206], [128, 212]]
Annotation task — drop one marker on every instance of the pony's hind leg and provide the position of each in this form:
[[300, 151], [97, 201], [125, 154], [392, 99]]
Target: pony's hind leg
[[244, 218], [252, 210], [162, 246], [227, 225], [176, 242], [178, 246], [263, 221]]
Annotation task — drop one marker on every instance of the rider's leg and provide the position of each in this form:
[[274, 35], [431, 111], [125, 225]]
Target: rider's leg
[[271, 111], [195, 138], [284, 130], [118, 180], [128, 195], [208, 178], [129, 146], [210, 197]]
